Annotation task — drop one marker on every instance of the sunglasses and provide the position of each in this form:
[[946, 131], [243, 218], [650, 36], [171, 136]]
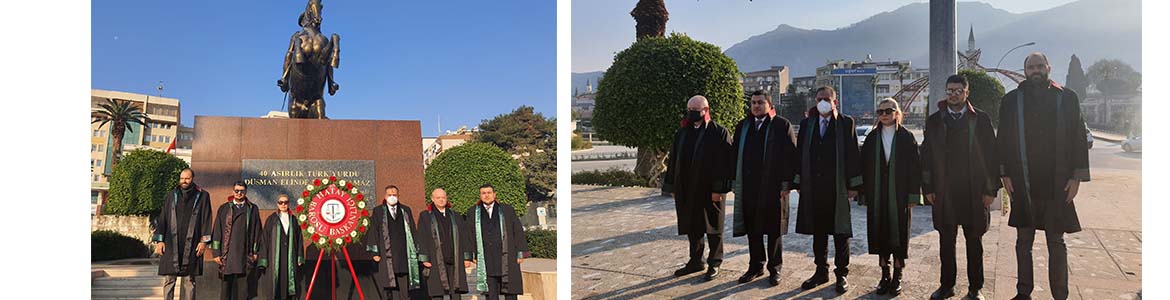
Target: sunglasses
[[240, 191], [955, 92], [281, 202], [885, 111]]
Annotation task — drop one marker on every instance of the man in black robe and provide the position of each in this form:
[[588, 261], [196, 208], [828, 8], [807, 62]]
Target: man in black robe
[[445, 248], [830, 175], [1045, 158], [765, 163], [181, 235], [959, 169], [698, 176], [235, 242], [391, 240], [499, 246]]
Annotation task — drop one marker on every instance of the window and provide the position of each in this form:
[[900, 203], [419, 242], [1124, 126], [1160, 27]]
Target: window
[[95, 178], [91, 162], [92, 147], [99, 163], [97, 133], [101, 148]]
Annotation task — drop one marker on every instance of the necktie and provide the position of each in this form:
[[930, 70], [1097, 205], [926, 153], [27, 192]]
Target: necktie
[[956, 115], [759, 123], [824, 126]]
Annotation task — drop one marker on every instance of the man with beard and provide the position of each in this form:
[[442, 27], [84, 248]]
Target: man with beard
[[182, 234], [235, 243], [698, 176], [765, 162], [959, 169], [1044, 160]]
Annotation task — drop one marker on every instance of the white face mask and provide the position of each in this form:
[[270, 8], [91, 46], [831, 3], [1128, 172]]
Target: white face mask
[[392, 200], [824, 107]]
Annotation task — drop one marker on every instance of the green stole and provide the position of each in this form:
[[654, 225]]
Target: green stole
[[411, 252], [480, 269], [892, 223], [1023, 145], [738, 227], [292, 285]]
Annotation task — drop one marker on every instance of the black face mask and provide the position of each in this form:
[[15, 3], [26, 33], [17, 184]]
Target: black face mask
[[694, 116]]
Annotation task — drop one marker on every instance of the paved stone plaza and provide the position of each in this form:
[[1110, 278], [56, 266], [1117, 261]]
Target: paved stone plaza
[[625, 246]]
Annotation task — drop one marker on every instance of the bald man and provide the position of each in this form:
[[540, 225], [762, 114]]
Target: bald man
[[182, 235], [698, 174], [1044, 157], [444, 249]]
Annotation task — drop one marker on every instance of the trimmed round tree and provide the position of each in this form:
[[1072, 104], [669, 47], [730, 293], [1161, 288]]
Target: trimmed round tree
[[140, 180], [461, 170], [642, 99], [986, 92]]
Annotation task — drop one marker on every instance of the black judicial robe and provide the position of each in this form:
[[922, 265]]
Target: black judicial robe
[[390, 233], [765, 160], [245, 236], [1054, 144], [444, 243], [829, 166], [185, 220], [501, 249], [700, 163], [281, 254], [959, 161], [889, 188]]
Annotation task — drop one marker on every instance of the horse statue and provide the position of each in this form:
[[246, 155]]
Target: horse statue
[[308, 66]]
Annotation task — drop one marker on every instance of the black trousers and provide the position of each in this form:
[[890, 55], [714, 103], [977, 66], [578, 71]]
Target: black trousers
[[947, 239], [773, 253], [714, 258], [402, 292], [1057, 262], [493, 292], [234, 287], [840, 254]]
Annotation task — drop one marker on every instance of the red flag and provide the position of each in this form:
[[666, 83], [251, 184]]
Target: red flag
[[172, 146]]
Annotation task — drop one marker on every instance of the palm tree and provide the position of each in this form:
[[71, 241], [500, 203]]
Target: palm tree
[[119, 114]]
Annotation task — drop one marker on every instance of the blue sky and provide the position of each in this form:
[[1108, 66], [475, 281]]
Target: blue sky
[[402, 60], [601, 28]]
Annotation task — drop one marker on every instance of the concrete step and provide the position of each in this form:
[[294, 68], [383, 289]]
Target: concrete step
[[128, 271], [126, 292], [139, 281]]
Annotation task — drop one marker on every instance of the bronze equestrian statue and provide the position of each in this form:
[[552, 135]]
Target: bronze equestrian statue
[[308, 66]]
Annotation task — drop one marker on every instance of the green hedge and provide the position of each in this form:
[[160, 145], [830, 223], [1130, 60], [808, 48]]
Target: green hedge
[[611, 177], [542, 243], [462, 169], [643, 97], [140, 180], [110, 245]]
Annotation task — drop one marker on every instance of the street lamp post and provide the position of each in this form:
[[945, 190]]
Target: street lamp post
[[1010, 51]]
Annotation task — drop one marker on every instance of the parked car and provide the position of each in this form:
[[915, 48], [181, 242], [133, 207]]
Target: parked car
[[1089, 135], [1133, 144], [862, 131]]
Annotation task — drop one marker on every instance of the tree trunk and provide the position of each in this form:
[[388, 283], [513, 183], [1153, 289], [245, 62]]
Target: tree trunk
[[117, 133], [651, 163]]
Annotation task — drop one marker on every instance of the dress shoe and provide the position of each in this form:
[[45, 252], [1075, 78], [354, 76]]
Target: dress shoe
[[942, 293], [883, 286], [687, 270], [895, 287], [712, 272], [774, 279], [842, 284], [751, 274], [814, 281], [974, 295], [1022, 297]]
